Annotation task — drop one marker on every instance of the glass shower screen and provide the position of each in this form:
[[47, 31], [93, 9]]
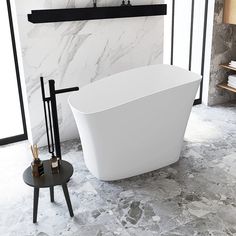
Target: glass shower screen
[[11, 119]]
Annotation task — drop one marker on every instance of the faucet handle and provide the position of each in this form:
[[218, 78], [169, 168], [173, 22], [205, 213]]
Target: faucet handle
[[123, 3], [128, 4]]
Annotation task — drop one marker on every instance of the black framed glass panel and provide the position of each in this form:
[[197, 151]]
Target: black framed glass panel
[[12, 117], [189, 25]]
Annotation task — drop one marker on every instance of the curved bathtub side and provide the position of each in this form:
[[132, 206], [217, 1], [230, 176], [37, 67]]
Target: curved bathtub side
[[137, 137]]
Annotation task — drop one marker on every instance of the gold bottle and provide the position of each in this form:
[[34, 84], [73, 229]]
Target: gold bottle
[[55, 164]]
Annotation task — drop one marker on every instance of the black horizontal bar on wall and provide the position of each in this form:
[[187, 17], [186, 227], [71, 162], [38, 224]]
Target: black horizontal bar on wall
[[95, 13]]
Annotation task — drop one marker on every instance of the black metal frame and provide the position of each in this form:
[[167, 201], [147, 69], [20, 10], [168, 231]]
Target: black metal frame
[[95, 13], [23, 136], [191, 36], [196, 101], [51, 117], [172, 33]]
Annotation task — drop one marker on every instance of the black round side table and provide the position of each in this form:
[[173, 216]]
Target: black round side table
[[49, 180]]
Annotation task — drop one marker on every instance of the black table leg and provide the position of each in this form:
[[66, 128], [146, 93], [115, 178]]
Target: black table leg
[[52, 194], [35, 207], [66, 193]]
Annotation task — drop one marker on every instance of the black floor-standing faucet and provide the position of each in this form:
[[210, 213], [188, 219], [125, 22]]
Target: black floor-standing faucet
[[51, 118]]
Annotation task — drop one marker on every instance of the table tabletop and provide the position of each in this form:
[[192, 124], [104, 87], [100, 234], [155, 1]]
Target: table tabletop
[[49, 179]]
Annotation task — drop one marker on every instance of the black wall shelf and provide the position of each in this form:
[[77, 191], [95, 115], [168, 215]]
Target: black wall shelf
[[95, 13]]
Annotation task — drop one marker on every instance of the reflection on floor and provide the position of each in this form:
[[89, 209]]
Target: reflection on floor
[[195, 196]]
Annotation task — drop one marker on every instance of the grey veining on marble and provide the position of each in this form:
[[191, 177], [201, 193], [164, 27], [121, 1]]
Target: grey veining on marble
[[80, 52], [195, 196], [223, 51]]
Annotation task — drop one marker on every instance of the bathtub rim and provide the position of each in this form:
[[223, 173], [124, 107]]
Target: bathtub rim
[[131, 100]]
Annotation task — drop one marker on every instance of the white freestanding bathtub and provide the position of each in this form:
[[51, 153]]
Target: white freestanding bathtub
[[134, 122]]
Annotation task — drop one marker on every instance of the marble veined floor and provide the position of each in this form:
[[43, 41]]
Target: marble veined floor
[[195, 196]]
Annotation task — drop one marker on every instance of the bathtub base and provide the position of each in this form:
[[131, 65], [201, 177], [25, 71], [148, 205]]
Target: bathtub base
[[115, 176]]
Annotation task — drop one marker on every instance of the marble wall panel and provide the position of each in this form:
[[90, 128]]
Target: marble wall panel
[[81, 52]]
